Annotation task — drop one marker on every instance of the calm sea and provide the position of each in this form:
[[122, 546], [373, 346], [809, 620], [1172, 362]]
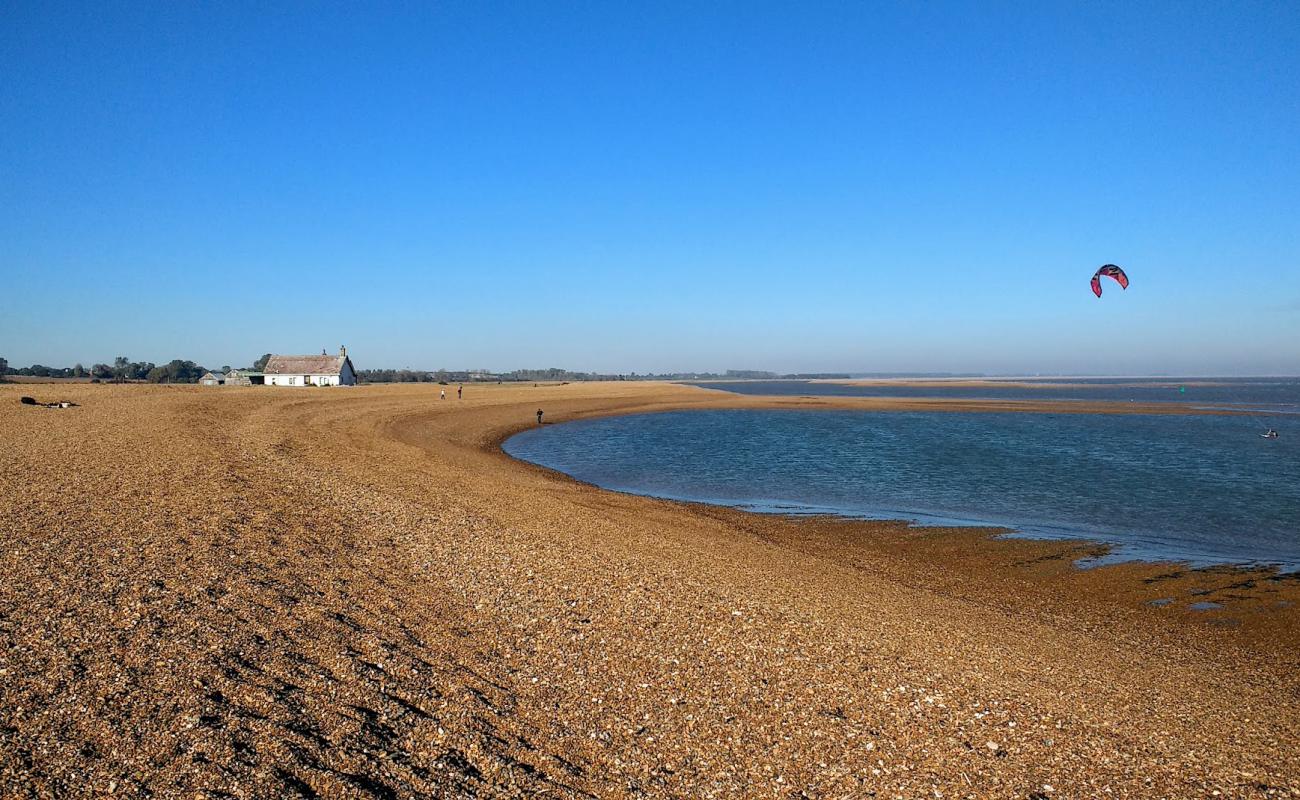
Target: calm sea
[[1276, 395], [1202, 489]]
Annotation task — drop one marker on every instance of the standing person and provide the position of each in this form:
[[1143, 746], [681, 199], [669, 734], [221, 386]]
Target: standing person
[[442, 394], [460, 390], [539, 416]]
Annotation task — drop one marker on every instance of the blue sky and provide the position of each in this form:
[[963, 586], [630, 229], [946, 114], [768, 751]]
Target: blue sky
[[686, 186]]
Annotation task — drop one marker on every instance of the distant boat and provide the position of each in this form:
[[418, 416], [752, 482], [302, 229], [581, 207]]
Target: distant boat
[[1270, 434]]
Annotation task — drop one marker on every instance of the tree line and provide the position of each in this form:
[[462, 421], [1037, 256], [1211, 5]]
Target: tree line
[[181, 371], [123, 369], [554, 374]]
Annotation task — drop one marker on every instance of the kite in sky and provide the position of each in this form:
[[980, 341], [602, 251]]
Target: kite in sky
[[1112, 271]]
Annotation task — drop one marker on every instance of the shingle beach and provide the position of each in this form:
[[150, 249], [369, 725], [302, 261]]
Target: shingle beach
[[259, 592]]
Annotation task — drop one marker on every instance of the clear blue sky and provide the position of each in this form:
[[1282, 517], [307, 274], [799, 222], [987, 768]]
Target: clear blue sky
[[687, 186]]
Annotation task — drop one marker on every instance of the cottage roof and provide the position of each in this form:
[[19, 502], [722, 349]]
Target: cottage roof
[[305, 365], [211, 374]]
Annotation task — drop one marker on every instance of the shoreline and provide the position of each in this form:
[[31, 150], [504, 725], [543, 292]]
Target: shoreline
[[1252, 592], [247, 591], [1111, 552], [1124, 581]]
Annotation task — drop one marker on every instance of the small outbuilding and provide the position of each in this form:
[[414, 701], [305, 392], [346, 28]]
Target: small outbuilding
[[212, 379], [244, 377], [321, 370]]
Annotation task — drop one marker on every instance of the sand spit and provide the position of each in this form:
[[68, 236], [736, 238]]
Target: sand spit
[[354, 593], [1021, 383]]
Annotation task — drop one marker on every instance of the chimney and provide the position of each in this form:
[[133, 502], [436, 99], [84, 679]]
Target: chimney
[[343, 351]]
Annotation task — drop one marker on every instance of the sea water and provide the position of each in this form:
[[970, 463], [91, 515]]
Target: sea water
[[1264, 396], [1201, 489]]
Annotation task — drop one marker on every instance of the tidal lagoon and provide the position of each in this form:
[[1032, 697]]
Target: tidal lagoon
[[1205, 489]]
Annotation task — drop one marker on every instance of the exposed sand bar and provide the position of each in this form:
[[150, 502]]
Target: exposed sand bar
[[1021, 383], [354, 593]]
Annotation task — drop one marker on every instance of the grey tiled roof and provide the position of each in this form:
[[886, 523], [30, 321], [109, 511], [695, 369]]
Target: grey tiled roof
[[305, 365]]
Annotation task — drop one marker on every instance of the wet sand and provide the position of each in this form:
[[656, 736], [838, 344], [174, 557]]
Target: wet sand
[[353, 593]]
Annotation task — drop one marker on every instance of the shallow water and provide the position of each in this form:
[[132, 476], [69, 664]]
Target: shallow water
[[1202, 489], [1264, 396]]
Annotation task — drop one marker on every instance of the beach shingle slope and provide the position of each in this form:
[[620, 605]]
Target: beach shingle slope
[[253, 593]]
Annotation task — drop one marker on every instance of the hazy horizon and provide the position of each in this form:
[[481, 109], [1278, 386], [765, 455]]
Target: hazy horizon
[[834, 188], [719, 371]]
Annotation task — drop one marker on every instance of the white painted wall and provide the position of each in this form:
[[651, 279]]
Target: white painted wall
[[308, 380]]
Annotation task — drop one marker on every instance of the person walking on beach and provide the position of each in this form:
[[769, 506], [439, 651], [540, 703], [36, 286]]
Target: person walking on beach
[[460, 390], [539, 416]]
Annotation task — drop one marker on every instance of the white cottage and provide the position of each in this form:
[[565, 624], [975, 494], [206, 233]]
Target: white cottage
[[321, 370]]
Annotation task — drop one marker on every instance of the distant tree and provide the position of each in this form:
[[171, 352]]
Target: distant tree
[[176, 371], [225, 369], [394, 376], [78, 371], [101, 371], [120, 366], [4, 369], [260, 364], [42, 371]]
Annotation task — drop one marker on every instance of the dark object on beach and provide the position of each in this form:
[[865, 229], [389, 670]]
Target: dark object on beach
[[539, 416], [32, 401]]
